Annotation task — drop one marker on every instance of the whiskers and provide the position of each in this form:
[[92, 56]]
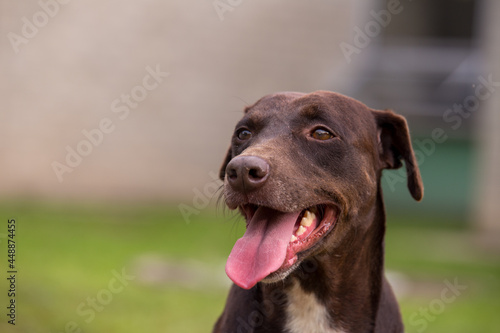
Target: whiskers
[[220, 204], [229, 216]]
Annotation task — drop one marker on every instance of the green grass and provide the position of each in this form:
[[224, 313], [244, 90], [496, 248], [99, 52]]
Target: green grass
[[66, 256], [432, 254]]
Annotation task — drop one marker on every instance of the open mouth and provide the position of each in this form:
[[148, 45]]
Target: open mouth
[[274, 240]]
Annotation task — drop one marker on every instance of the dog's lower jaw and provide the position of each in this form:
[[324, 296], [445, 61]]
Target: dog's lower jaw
[[312, 225], [279, 276]]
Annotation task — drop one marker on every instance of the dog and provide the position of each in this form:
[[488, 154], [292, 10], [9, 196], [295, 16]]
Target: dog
[[305, 172]]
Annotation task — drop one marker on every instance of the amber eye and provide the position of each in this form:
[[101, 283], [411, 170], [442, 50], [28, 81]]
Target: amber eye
[[321, 134], [244, 134]]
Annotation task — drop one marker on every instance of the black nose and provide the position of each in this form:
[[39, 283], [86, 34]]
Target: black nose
[[247, 173]]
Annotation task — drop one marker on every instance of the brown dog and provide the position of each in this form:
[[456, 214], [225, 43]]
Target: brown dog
[[305, 170]]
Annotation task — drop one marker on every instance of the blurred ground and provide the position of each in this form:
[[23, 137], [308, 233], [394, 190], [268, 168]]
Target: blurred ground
[[144, 269]]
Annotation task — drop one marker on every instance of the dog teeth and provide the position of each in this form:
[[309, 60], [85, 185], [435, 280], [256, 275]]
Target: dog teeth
[[300, 230], [308, 218], [306, 221]]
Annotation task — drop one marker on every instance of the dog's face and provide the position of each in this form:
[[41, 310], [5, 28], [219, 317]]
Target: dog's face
[[301, 168]]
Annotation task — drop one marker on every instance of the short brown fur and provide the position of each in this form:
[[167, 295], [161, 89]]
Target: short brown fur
[[344, 270]]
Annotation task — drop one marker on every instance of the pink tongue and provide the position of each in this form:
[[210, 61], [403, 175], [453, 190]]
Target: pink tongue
[[262, 249]]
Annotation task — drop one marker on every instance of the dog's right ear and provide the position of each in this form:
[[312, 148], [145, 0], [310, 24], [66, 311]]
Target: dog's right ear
[[227, 159]]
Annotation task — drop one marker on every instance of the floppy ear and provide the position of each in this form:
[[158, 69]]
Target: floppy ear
[[395, 146], [222, 171]]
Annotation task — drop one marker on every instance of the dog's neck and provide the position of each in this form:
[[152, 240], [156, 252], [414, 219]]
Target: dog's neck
[[340, 288]]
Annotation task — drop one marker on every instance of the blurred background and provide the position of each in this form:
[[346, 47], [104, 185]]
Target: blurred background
[[115, 117]]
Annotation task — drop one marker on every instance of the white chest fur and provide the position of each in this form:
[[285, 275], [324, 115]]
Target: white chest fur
[[306, 314]]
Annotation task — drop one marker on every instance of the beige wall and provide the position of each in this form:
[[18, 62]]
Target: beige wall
[[65, 77]]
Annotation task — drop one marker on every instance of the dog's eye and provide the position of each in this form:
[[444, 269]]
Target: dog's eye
[[244, 134], [321, 134]]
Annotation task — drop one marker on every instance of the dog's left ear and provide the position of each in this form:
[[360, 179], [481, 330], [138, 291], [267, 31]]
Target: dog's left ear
[[227, 159], [395, 146]]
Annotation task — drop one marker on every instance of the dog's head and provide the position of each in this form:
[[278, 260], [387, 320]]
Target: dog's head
[[301, 165]]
